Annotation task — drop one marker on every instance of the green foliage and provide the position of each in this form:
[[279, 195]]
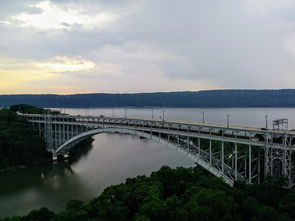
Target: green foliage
[[29, 109], [37, 215], [74, 205], [26, 108], [179, 195], [19, 143], [287, 204]]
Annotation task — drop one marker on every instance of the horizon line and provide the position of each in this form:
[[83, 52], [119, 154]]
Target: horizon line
[[154, 92]]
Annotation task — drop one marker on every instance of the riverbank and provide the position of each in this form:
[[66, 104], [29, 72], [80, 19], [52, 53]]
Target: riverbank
[[75, 153], [12, 169]]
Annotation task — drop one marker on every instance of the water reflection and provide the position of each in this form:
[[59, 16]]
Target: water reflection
[[34, 187], [111, 160]]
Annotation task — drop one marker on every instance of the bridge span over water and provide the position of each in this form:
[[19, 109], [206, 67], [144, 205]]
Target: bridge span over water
[[233, 153]]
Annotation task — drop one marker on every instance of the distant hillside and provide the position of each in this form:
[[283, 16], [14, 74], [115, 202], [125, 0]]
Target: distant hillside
[[214, 98]]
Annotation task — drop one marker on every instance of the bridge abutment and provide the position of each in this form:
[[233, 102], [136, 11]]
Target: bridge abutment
[[60, 157]]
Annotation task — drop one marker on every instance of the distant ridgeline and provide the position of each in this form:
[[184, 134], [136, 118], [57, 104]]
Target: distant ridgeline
[[214, 98]]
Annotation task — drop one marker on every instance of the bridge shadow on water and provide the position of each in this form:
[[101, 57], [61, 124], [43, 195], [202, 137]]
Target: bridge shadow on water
[[80, 150]]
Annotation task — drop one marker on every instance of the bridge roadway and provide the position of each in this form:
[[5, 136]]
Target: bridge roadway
[[239, 134], [275, 153]]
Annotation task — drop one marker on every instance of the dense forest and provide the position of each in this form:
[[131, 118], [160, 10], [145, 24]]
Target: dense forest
[[178, 194], [214, 98], [19, 144]]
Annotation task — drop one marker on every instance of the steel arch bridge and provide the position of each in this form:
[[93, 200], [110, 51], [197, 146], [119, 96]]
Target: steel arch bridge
[[233, 153]]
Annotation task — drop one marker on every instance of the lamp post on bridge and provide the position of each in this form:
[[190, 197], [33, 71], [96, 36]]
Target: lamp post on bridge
[[164, 115], [152, 113], [86, 111], [266, 122], [227, 119], [113, 112], [125, 113], [203, 113]]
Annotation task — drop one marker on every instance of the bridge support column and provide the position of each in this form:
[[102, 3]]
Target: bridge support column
[[199, 146], [60, 157], [66, 156], [236, 161], [259, 165], [222, 157], [266, 163], [250, 164], [55, 136], [40, 129], [54, 156], [63, 133], [59, 131], [278, 163], [187, 142], [210, 151], [292, 169]]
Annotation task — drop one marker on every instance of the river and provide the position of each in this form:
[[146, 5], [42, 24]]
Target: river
[[113, 158]]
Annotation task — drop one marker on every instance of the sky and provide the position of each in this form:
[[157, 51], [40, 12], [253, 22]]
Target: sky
[[129, 46]]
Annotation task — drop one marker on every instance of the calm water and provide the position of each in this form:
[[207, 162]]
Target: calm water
[[253, 117], [112, 159]]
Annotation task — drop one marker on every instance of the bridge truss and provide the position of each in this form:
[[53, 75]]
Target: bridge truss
[[233, 153]]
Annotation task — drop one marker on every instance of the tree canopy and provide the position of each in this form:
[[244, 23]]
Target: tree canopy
[[19, 143], [181, 194]]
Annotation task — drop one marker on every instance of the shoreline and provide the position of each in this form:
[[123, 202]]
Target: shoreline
[[12, 169]]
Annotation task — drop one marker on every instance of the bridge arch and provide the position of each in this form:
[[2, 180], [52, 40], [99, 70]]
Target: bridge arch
[[246, 161], [197, 159]]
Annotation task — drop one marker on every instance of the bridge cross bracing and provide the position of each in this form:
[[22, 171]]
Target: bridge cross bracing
[[233, 153]]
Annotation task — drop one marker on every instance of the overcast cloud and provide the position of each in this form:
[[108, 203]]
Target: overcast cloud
[[80, 46]]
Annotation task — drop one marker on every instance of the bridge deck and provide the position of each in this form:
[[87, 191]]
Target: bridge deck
[[177, 122], [232, 158], [231, 127]]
